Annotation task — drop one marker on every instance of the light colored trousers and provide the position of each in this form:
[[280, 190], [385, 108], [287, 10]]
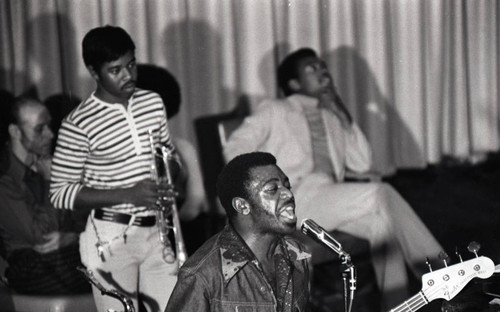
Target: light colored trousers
[[376, 212], [132, 266]]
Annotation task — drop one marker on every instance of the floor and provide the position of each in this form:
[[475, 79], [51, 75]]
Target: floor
[[460, 203]]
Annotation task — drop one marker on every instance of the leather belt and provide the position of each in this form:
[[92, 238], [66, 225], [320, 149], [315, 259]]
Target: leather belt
[[123, 218]]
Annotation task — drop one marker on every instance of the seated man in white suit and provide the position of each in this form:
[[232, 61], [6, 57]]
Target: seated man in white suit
[[315, 141]]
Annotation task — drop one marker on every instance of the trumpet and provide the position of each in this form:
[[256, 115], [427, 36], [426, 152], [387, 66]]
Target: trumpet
[[163, 211]]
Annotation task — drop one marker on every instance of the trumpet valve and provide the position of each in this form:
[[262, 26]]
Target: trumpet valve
[[168, 255]]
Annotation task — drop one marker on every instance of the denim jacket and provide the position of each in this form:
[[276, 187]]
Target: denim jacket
[[224, 275]]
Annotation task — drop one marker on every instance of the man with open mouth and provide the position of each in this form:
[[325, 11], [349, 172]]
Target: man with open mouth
[[252, 264]]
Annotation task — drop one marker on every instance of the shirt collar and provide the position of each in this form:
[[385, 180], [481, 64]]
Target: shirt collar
[[235, 253], [304, 101], [112, 105]]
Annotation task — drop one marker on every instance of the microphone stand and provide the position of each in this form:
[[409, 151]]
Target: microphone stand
[[312, 229], [349, 278]]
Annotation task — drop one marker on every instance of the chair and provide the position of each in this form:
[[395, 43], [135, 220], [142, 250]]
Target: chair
[[212, 133], [10, 301]]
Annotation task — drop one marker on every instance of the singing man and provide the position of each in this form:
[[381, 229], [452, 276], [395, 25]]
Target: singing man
[[251, 265]]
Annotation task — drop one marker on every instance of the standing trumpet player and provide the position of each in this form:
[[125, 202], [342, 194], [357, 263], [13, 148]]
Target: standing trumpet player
[[102, 165]]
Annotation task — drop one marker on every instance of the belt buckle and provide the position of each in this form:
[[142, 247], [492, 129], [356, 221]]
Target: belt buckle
[[137, 221], [116, 217]]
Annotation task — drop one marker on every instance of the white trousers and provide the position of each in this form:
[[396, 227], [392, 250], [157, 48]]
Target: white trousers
[[132, 266], [376, 212]]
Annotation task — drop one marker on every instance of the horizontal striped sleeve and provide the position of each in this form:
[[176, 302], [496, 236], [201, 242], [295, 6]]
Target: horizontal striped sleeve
[[67, 165]]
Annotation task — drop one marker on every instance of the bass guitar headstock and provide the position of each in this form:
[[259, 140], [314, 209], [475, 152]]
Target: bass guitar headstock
[[447, 282]]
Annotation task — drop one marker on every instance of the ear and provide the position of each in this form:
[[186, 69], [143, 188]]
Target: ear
[[14, 131], [241, 205], [92, 72], [294, 84]]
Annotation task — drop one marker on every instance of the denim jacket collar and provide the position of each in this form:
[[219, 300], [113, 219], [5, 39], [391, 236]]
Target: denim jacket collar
[[235, 253]]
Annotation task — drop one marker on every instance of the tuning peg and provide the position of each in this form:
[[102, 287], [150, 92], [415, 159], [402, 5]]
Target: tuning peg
[[474, 247], [428, 262], [458, 254], [444, 257]]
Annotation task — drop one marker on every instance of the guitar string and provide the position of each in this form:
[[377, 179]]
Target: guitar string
[[411, 305], [420, 298]]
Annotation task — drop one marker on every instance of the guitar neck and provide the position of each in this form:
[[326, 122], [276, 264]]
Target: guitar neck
[[447, 282], [412, 304]]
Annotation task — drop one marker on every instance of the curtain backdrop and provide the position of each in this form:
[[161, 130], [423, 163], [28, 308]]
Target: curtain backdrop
[[421, 77]]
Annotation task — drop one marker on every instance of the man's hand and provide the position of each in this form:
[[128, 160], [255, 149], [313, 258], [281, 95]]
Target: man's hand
[[149, 194], [55, 240], [331, 101], [145, 193], [43, 165]]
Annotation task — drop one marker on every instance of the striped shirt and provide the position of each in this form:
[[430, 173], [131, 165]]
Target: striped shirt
[[106, 146], [319, 140]]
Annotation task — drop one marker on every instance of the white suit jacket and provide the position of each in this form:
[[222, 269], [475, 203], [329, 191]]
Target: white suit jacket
[[280, 127]]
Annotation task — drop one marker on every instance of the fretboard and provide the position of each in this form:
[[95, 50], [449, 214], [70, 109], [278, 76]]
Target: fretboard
[[412, 304]]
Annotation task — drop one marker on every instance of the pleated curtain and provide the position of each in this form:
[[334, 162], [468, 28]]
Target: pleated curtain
[[419, 76]]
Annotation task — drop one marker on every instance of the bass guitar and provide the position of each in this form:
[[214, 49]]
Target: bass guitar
[[447, 282]]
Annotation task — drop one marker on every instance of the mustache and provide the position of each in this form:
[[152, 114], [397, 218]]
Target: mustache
[[289, 201], [131, 83]]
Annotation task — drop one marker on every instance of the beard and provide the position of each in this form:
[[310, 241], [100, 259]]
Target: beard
[[272, 223], [38, 148]]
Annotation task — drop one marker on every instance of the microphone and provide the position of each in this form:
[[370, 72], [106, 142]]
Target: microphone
[[313, 230]]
